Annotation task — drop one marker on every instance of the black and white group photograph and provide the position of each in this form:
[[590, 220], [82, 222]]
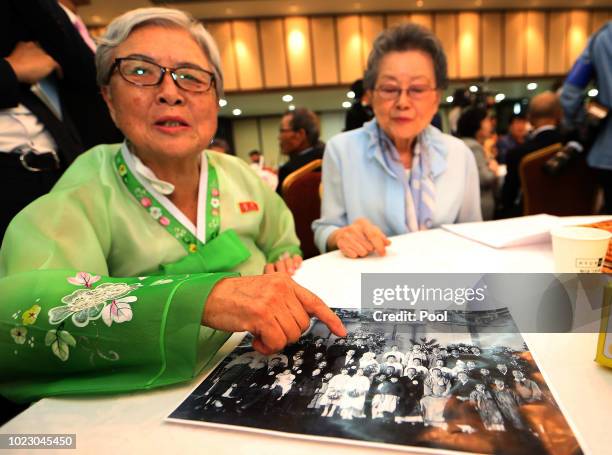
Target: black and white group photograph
[[467, 385]]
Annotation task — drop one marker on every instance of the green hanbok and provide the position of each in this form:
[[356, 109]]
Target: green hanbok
[[103, 281]]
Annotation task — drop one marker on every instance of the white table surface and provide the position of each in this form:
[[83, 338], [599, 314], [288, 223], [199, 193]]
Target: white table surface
[[133, 423]]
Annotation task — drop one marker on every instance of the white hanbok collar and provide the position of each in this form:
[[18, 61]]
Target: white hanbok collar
[[160, 189]]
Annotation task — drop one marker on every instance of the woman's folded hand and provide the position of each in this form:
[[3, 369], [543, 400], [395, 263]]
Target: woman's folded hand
[[286, 264], [359, 239]]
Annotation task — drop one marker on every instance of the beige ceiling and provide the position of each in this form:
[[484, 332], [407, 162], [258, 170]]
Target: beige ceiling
[[102, 11]]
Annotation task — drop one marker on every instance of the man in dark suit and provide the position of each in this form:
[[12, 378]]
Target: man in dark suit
[[51, 108], [298, 137], [544, 115]]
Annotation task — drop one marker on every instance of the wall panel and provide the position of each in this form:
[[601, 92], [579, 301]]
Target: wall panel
[[535, 37], [222, 34], [492, 44], [246, 45], [299, 56], [598, 19], [514, 44], [325, 57], [269, 140], [349, 48], [469, 45], [426, 20], [246, 136], [396, 19], [578, 33], [273, 53], [445, 27], [557, 42], [371, 26]]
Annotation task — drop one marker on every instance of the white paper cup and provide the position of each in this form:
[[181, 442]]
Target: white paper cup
[[579, 249]]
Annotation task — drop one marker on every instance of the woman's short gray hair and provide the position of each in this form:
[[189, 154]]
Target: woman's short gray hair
[[121, 27], [406, 37]]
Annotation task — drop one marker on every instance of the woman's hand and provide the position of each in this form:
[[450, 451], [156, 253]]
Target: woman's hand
[[494, 166], [286, 264], [359, 239], [30, 62], [274, 308]]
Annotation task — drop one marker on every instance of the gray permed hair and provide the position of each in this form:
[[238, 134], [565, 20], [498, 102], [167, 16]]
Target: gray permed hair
[[406, 37], [121, 27]]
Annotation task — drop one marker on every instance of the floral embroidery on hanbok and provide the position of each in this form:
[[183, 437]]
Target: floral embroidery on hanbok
[[19, 334], [85, 305], [83, 279], [155, 212], [30, 315], [118, 311], [60, 342]]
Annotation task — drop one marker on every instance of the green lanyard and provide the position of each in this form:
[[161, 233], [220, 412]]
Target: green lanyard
[[160, 214]]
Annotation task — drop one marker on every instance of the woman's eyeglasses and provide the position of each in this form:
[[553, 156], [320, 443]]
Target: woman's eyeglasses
[[147, 74], [393, 92]]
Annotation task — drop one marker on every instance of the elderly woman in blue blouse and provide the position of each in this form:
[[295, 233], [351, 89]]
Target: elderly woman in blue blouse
[[397, 173]]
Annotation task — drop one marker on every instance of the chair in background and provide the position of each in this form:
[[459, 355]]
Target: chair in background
[[572, 192], [301, 194]]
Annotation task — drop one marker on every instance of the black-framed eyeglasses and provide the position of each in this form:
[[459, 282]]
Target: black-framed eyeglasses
[[144, 73]]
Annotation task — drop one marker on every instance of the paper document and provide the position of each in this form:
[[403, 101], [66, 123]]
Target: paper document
[[511, 232]]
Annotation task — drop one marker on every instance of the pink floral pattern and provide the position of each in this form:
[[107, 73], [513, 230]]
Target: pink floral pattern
[[83, 279]]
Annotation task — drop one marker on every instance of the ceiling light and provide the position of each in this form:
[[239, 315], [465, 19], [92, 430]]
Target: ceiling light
[[449, 99], [473, 88], [222, 102], [419, 3], [287, 98], [593, 92], [532, 86], [292, 107], [346, 104], [236, 112], [350, 94], [517, 108], [499, 97]]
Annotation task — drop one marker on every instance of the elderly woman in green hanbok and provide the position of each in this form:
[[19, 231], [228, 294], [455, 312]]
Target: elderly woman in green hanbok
[[126, 275]]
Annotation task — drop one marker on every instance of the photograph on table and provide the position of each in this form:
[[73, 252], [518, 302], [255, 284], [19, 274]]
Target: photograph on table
[[470, 387]]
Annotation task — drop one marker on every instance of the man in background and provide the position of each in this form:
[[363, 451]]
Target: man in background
[[545, 116], [51, 109], [517, 132], [298, 137]]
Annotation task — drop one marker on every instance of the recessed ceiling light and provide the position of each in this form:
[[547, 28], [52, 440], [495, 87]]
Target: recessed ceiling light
[[287, 98], [532, 86], [292, 107], [346, 104], [222, 102], [96, 19], [517, 108], [419, 3], [350, 94], [449, 99], [473, 88], [499, 97], [593, 92], [236, 112]]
